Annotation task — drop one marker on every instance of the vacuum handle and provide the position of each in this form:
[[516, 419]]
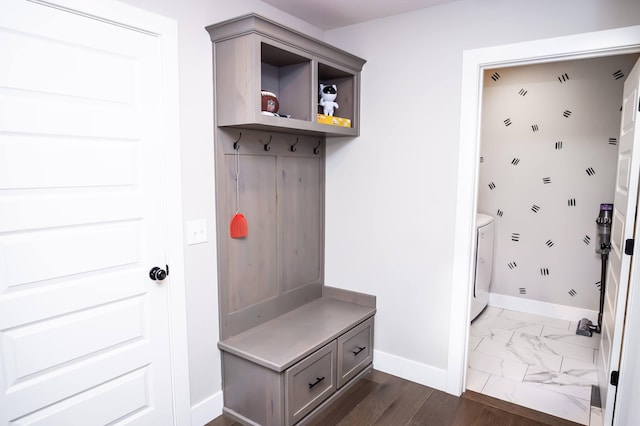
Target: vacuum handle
[[604, 222]]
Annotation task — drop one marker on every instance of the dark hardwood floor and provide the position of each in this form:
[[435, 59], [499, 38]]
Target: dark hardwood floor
[[382, 399]]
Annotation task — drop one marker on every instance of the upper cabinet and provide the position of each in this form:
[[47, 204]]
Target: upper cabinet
[[255, 58]]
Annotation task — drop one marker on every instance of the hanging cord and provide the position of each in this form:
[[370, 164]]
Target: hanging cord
[[237, 179]]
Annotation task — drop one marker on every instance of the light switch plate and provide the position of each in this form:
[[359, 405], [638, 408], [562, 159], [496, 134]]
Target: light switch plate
[[196, 231]]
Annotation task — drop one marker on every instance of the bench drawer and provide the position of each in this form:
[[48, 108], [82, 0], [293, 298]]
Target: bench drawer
[[310, 382], [355, 351]]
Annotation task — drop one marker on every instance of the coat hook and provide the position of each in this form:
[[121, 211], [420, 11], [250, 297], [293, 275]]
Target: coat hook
[[236, 144], [293, 147], [266, 145], [316, 150]]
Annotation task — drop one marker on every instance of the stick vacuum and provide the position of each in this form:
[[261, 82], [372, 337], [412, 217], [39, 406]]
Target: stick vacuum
[[586, 327]]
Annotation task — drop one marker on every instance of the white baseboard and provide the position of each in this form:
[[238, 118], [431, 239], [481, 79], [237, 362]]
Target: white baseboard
[[410, 370], [207, 410], [535, 307]]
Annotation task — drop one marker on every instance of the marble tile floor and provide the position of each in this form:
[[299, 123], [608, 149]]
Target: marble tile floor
[[533, 361]]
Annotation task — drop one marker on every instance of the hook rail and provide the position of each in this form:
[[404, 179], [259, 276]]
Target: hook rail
[[293, 147], [266, 145], [236, 144]]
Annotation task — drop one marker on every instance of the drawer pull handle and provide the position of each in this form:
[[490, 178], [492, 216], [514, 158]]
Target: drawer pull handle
[[360, 349], [318, 380]]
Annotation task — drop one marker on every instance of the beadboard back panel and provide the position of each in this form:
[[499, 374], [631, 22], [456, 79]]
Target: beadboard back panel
[[278, 265]]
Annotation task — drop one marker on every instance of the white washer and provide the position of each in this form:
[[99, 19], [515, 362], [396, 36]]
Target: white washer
[[484, 264]]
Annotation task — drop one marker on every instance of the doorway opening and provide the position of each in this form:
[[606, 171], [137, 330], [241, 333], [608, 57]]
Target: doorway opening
[[548, 157], [591, 45]]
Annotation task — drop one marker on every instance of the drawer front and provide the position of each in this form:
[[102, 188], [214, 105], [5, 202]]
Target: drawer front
[[310, 382], [355, 351]]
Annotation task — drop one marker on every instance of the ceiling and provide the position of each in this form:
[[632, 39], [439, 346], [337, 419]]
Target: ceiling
[[330, 14]]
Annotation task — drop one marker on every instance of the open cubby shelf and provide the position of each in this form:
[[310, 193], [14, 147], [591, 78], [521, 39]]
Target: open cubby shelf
[[292, 66]]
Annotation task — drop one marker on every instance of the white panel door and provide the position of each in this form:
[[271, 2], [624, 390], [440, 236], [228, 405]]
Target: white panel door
[[627, 410], [84, 334], [624, 219]]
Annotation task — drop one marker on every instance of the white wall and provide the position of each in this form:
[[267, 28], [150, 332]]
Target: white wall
[[391, 193]]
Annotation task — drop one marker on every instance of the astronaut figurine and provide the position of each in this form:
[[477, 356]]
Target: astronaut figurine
[[328, 95]]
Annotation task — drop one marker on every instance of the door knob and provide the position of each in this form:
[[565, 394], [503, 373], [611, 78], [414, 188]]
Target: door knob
[[158, 274]]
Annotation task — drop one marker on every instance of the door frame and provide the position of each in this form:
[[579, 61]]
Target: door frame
[[166, 30], [618, 41]]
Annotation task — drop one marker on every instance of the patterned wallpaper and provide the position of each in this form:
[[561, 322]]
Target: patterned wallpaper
[[548, 156]]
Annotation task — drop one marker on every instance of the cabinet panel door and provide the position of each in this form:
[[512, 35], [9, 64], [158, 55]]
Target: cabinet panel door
[[251, 261], [300, 197]]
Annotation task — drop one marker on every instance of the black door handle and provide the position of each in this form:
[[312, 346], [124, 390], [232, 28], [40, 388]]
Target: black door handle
[[158, 274]]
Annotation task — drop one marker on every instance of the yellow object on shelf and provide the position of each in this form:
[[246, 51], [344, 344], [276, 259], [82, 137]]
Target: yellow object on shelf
[[334, 121]]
